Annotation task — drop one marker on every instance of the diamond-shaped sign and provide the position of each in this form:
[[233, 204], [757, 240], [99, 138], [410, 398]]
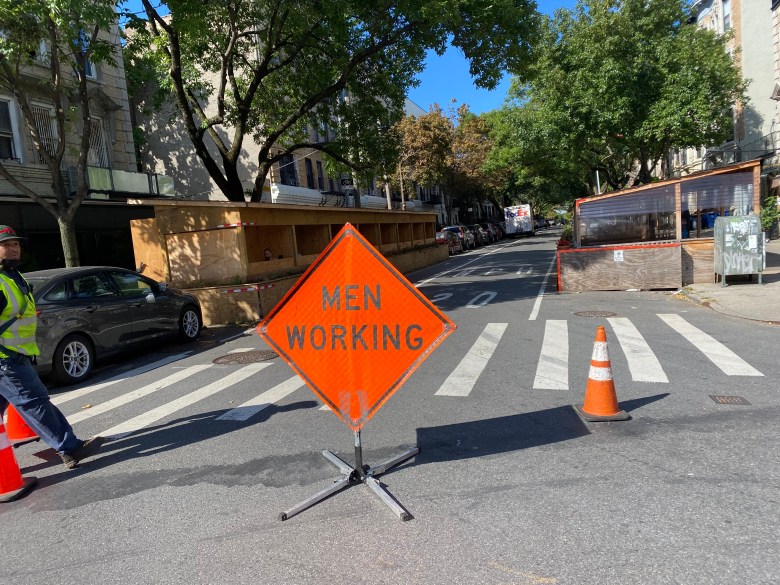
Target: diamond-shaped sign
[[354, 328]]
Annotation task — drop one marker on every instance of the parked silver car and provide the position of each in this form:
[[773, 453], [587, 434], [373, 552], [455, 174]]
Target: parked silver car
[[90, 312]]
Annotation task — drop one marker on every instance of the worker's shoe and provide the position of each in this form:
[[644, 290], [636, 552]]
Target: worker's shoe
[[88, 449]]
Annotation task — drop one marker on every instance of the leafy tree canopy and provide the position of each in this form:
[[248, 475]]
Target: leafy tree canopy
[[272, 69], [616, 84]]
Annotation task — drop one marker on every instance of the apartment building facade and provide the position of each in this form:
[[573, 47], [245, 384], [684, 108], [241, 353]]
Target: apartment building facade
[[102, 221], [753, 26]]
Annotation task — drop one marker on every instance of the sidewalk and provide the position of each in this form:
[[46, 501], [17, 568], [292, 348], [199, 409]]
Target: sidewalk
[[745, 298]]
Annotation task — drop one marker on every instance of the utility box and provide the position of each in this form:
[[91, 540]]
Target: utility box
[[739, 246]]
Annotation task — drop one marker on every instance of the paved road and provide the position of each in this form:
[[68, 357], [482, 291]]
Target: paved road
[[510, 486]]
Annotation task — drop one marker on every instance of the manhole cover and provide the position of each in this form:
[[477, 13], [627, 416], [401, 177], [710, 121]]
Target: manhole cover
[[729, 399], [595, 314], [246, 357]]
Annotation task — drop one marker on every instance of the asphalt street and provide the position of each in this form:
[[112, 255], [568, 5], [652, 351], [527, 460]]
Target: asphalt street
[[510, 486]]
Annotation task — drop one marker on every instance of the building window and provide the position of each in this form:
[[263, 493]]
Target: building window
[[726, 15], [320, 185], [309, 174], [7, 146], [90, 70], [47, 130], [98, 153], [287, 174]]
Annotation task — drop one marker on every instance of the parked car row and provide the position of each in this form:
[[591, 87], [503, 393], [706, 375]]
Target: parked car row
[[469, 237]]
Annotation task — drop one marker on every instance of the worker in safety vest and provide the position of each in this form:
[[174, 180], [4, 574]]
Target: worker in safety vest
[[19, 381]]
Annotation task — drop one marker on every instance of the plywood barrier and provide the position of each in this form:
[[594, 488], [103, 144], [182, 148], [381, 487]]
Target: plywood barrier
[[270, 295], [698, 261], [223, 308], [209, 256], [209, 243], [649, 267], [149, 249], [415, 259]]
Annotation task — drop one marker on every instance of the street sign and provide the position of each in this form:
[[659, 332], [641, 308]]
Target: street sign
[[346, 181], [354, 328]]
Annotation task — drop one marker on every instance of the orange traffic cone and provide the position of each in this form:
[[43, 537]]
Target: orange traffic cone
[[600, 399], [15, 427], [12, 484]]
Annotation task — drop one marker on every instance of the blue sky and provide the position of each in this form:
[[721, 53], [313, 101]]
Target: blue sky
[[447, 77]]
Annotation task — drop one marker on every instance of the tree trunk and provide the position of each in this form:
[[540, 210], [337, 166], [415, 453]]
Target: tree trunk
[[68, 239]]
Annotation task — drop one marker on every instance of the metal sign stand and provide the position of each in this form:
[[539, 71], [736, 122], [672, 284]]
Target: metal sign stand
[[358, 474]]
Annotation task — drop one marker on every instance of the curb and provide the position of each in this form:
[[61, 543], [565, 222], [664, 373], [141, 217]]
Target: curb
[[714, 306]]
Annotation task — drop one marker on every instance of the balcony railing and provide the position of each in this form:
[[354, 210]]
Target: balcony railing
[[115, 182], [102, 180]]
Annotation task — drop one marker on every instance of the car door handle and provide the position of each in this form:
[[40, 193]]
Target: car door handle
[[91, 308]]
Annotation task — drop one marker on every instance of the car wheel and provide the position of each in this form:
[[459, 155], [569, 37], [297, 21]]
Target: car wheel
[[73, 359], [189, 324]]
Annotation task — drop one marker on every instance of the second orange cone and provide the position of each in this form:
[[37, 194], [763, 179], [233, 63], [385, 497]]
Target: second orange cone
[[12, 484], [600, 398], [16, 429]]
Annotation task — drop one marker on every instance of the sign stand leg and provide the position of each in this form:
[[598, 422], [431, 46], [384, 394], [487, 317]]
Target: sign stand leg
[[359, 474]]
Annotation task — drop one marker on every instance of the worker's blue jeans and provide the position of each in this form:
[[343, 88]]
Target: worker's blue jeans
[[21, 386]]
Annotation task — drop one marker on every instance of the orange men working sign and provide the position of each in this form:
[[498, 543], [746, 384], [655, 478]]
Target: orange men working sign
[[354, 328]]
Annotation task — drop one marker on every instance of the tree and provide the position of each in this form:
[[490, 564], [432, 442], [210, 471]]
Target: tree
[[617, 83], [472, 180], [270, 70], [529, 151], [425, 147], [72, 32]]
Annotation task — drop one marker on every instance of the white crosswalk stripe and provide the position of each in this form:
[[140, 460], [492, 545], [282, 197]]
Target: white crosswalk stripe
[[551, 373], [264, 400], [73, 394], [136, 394], [462, 379], [152, 416], [642, 363], [552, 370], [720, 355]]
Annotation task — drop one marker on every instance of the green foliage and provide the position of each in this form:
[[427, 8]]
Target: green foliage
[[614, 86], [769, 213], [273, 70]]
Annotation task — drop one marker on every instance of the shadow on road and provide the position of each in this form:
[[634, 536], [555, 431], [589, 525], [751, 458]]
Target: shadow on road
[[504, 434]]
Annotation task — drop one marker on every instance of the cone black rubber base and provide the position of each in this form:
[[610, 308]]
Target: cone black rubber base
[[29, 483], [622, 415]]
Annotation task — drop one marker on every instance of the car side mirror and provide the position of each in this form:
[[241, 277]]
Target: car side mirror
[[150, 297]]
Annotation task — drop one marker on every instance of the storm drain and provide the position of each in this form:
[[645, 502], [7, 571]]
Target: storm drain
[[729, 399], [246, 357], [595, 314]]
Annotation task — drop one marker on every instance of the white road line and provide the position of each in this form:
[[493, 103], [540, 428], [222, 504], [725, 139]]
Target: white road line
[[152, 416], [136, 394], [462, 379], [73, 394], [460, 267], [264, 400], [720, 355], [642, 363], [552, 370], [538, 302]]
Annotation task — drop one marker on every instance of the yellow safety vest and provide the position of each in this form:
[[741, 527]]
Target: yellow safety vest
[[20, 336]]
